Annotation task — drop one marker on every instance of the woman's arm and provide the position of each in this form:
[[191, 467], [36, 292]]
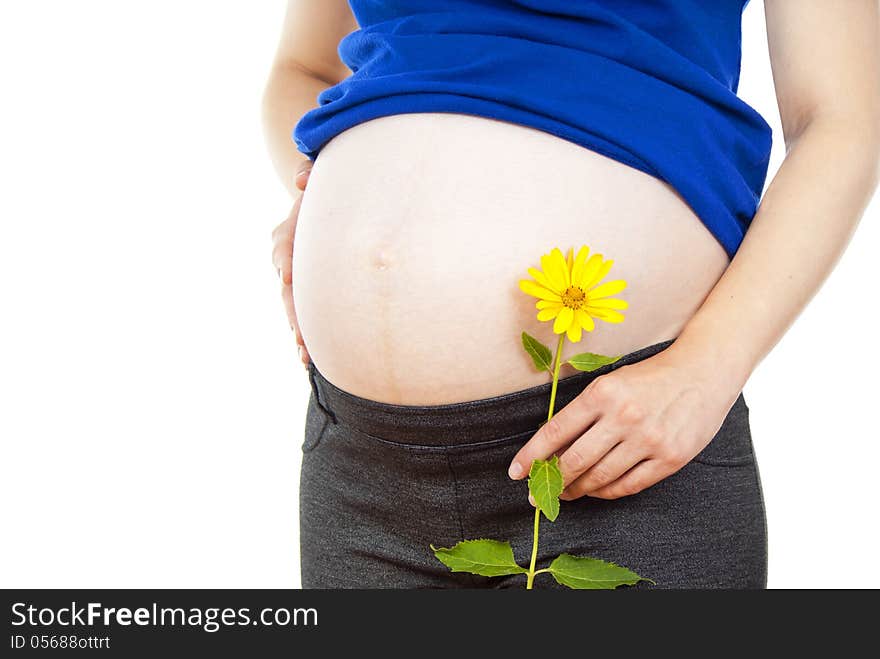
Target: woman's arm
[[825, 57], [650, 418], [306, 63]]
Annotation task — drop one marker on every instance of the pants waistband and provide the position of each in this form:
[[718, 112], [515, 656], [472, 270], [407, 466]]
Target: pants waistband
[[485, 419]]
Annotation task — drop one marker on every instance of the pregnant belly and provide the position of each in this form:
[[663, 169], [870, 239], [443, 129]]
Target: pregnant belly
[[415, 229]]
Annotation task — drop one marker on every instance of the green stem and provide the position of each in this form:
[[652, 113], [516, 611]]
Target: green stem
[[555, 375], [530, 577]]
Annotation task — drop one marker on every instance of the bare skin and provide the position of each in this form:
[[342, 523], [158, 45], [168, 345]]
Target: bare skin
[[305, 64], [639, 424], [282, 255], [421, 283]]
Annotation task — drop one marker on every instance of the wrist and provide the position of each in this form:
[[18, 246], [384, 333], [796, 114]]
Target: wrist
[[712, 353]]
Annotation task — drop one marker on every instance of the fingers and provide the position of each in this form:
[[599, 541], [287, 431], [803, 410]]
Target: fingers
[[612, 466], [282, 258], [642, 476], [561, 430], [302, 174], [587, 450], [304, 354], [287, 298], [625, 432], [282, 248]]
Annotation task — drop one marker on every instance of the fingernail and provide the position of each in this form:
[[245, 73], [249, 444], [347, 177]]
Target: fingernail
[[531, 499], [515, 470]]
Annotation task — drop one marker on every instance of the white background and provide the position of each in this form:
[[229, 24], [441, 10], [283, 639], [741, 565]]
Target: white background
[[152, 401]]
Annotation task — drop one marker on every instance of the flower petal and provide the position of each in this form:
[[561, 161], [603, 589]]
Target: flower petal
[[546, 304], [609, 303], [557, 257], [554, 272], [608, 315], [549, 313], [599, 275], [585, 321], [574, 332], [606, 289], [530, 287], [569, 258], [577, 267], [563, 320], [589, 271], [542, 279]]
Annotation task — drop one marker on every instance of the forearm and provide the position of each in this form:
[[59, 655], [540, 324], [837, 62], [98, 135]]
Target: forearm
[[290, 93], [806, 219]]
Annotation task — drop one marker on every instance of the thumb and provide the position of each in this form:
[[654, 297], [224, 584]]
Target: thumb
[[302, 174]]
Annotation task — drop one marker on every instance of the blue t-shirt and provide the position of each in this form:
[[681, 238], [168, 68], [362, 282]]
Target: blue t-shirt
[[650, 83]]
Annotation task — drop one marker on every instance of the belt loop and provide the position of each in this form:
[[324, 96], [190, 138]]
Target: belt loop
[[317, 392]]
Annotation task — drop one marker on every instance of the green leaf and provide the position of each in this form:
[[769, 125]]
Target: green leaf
[[583, 572], [545, 484], [490, 558], [540, 353], [590, 361]]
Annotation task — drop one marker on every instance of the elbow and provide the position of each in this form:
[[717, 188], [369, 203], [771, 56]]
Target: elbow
[[869, 138], [275, 83], [856, 133], [292, 83], [875, 151], [875, 172], [269, 97], [863, 148], [284, 91], [869, 133]]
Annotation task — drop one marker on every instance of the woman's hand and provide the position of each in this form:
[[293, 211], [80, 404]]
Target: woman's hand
[[282, 257], [632, 427]]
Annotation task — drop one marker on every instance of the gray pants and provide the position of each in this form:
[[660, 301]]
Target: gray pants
[[381, 482]]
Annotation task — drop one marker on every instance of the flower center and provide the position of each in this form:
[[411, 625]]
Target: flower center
[[573, 297]]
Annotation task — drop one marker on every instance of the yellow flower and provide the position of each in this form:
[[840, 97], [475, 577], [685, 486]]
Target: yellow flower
[[569, 292]]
